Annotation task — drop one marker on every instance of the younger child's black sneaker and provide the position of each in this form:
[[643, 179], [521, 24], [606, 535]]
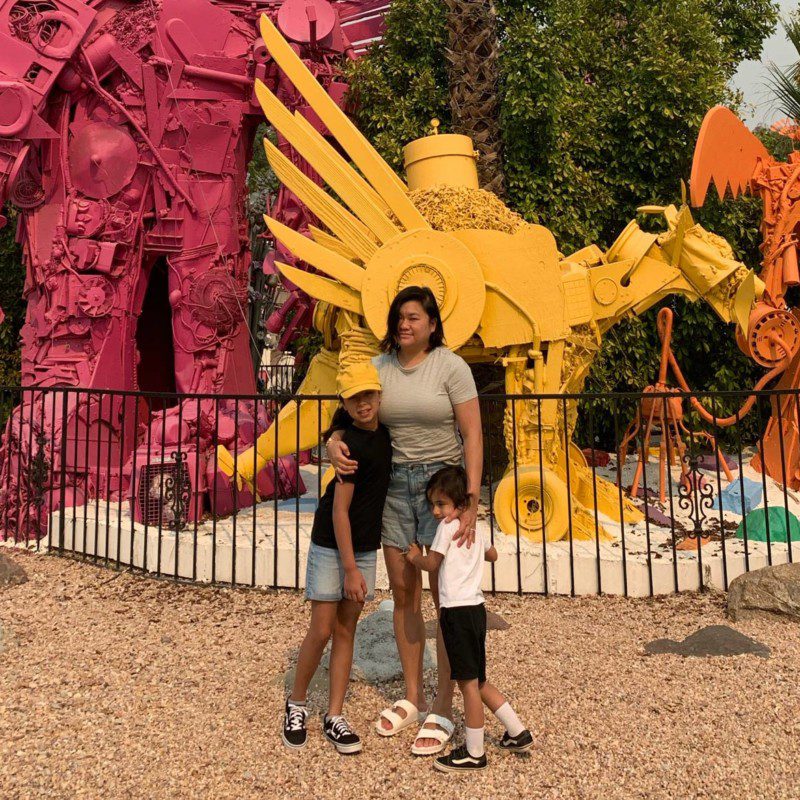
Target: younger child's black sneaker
[[459, 760], [517, 744], [295, 726], [338, 732]]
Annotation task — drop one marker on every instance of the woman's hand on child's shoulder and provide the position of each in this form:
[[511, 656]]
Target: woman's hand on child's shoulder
[[339, 456]]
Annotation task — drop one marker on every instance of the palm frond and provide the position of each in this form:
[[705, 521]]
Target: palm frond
[[791, 25], [786, 90]]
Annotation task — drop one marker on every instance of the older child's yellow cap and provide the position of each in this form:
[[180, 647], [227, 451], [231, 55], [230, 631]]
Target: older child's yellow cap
[[359, 377]]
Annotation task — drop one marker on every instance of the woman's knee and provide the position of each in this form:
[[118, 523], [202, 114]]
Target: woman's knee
[[406, 594]]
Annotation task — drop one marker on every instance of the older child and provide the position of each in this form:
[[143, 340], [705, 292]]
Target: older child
[[463, 623], [340, 573]]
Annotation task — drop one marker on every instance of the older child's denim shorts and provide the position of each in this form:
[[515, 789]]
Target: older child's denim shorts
[[407, 514], [325, 573]]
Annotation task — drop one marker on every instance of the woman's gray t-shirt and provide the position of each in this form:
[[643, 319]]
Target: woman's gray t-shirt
[[417, 405]]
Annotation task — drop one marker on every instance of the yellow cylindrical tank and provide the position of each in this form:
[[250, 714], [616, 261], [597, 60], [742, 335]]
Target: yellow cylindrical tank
[[446, 158]]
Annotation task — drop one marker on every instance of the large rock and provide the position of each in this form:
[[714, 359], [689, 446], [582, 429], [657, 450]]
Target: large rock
[[713, 640], [375, 658], [11, 573], [773, 590]]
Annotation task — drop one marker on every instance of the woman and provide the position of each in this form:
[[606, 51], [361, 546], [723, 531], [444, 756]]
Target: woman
[[429, 397]]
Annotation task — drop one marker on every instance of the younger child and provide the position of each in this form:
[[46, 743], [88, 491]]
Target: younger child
[[462, 617], [342, 557]]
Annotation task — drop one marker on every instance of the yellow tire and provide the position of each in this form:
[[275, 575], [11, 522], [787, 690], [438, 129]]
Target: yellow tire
[[522, 498]]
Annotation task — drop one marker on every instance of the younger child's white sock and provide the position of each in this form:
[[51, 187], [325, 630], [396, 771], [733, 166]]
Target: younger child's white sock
[[509, 719], [475, 742]]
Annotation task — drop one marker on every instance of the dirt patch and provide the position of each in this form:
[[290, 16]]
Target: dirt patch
[[117, 686]]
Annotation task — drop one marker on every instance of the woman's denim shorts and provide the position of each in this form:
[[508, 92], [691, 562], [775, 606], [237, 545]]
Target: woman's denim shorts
[[325, 573], [407, 515]]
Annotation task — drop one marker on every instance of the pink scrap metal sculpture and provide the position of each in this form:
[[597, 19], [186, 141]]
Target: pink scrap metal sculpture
[[126, 129]]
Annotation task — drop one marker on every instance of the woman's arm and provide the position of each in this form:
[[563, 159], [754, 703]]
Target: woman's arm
[[490, 554], [355, 587], [339, 455], [468, 419]]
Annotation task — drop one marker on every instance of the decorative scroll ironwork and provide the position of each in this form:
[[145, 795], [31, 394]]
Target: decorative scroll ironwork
[[39, 477], [177, 492], [695, 494]]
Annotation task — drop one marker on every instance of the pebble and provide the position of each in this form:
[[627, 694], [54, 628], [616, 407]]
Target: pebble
[[202, 717]]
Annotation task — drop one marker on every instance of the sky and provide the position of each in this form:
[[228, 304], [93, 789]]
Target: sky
[[752, 77]]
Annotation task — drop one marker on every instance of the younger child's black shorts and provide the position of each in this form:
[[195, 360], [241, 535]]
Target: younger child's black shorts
[[464, 634]]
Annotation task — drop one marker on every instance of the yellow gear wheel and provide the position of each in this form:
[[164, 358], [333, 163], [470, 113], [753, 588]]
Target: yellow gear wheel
[[524, 498], [433, 259]]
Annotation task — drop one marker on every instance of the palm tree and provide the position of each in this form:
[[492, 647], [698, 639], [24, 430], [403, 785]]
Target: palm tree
[[472, 57], [786, 84]]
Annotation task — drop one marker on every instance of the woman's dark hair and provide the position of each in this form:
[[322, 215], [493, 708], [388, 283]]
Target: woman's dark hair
[[424, 296], [452, 483], [341, 420]]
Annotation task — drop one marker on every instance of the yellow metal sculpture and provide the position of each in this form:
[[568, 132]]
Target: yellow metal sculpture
[[505, 292]]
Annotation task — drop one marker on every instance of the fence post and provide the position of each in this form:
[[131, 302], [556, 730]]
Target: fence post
[[63, 470]]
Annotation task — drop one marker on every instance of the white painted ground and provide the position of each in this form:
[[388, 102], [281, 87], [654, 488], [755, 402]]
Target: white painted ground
[[225, 550]]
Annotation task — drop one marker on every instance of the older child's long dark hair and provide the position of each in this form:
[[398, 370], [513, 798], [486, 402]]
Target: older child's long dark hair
[[341, 420], [424, 296]]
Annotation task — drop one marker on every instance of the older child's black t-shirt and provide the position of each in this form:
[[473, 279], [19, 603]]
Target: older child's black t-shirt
[[373, 451]]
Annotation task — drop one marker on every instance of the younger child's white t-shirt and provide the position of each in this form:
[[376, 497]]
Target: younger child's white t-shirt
[[461, 572]]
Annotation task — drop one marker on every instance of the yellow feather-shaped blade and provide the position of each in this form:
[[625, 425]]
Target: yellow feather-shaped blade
[[332, 243], [323, 289], [351, 188], [332, 153], [315, 254], [343, 224], [363, 154]]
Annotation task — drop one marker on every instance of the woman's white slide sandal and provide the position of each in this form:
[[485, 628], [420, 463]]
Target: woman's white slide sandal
[[398, 723], [443, 737]]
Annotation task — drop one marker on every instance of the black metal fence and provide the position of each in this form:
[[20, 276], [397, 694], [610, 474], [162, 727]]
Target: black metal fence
[[633, 494], [280, 379]]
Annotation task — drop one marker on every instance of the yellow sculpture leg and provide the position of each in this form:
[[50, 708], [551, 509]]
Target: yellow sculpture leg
[[298, 426], [327, 477], [585, 485], [588, 488]]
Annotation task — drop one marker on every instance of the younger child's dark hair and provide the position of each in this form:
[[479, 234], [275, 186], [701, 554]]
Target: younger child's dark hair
[[452, 483], [341, 420]]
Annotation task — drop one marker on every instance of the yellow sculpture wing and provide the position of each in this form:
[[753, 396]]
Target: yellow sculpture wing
[[322, 288], [365, 203], [377, 172], [376, 241]]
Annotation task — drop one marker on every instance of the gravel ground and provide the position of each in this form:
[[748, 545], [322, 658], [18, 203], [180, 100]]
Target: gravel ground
[[114, 686]]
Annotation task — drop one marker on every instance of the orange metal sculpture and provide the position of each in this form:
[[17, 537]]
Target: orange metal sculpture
[[664, 416], [732, 157]]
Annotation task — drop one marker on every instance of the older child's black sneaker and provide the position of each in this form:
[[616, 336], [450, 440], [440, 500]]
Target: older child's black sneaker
[[459, 760], [338, 732], [517, 744], [295, 726]]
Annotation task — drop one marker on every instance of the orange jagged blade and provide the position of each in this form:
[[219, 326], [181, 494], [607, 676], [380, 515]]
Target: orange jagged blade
[[726, 153]]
